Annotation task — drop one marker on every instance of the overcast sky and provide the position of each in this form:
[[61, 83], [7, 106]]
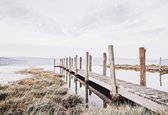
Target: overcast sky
[[58, 28]]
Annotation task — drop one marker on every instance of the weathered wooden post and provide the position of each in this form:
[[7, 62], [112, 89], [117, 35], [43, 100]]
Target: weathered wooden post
[[160, 70], [160, 65], [86, 79], [60, 66], [76, 70], [70, 71], [72, 62], [90, 63], [66, 70], [54, 65], [142, 66], [104, 63], [104, 73], [90, 69], [63, 67], [80, 67], [63, 60], [114, 92]]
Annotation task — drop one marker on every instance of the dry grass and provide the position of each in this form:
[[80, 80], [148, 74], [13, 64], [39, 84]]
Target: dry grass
[[124, 109], [43, 94]]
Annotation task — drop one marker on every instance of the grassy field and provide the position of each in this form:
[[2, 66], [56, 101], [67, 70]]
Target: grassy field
[[45, 94]]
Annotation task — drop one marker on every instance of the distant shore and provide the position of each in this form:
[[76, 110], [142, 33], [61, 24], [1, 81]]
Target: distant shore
[[149, 68]]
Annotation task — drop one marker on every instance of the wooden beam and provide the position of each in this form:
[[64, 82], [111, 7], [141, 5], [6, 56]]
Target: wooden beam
[[86, 79], [114, 92], [104, 63], [142, 66]]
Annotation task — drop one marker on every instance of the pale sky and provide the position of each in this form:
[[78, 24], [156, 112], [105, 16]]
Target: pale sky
[[59, 28]]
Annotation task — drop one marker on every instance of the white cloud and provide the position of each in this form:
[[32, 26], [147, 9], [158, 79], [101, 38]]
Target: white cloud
[[72, 26]]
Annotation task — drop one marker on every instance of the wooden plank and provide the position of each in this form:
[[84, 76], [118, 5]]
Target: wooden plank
[[142, 101], [114, 92], [152, 99], [142, 66]]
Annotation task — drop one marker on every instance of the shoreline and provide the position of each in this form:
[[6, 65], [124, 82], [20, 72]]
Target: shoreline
[[149, 68]]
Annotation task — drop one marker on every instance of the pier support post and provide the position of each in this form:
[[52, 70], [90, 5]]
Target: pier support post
[[76, 68], [86, 79], [70, 71], [72, 61], [90, 69], [60, 66], [160, 70], [54, 65], [80, 67], [104, 73], [64, 67], [104, 63], [114, 92], [66, 71], [142, 57]]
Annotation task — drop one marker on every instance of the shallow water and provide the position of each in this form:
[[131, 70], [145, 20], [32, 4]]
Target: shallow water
[[7, 74]]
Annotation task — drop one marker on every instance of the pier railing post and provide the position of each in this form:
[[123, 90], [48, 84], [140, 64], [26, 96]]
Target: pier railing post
[[76, 70], [64, 67], [70, 71], [142, 57], [66, 70], [160, 70], [60, 66], [86, 79], [104, 73], [114, 91], [54, 65], [104, 63], [80, 67], [90, 69], [72, 62]]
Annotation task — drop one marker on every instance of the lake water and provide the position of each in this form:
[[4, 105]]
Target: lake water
[[7, 74]]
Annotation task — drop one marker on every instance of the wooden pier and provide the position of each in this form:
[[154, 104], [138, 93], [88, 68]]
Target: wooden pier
[[108, 88]]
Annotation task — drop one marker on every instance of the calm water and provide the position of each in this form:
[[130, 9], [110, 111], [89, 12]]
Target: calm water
[[7, 74]]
